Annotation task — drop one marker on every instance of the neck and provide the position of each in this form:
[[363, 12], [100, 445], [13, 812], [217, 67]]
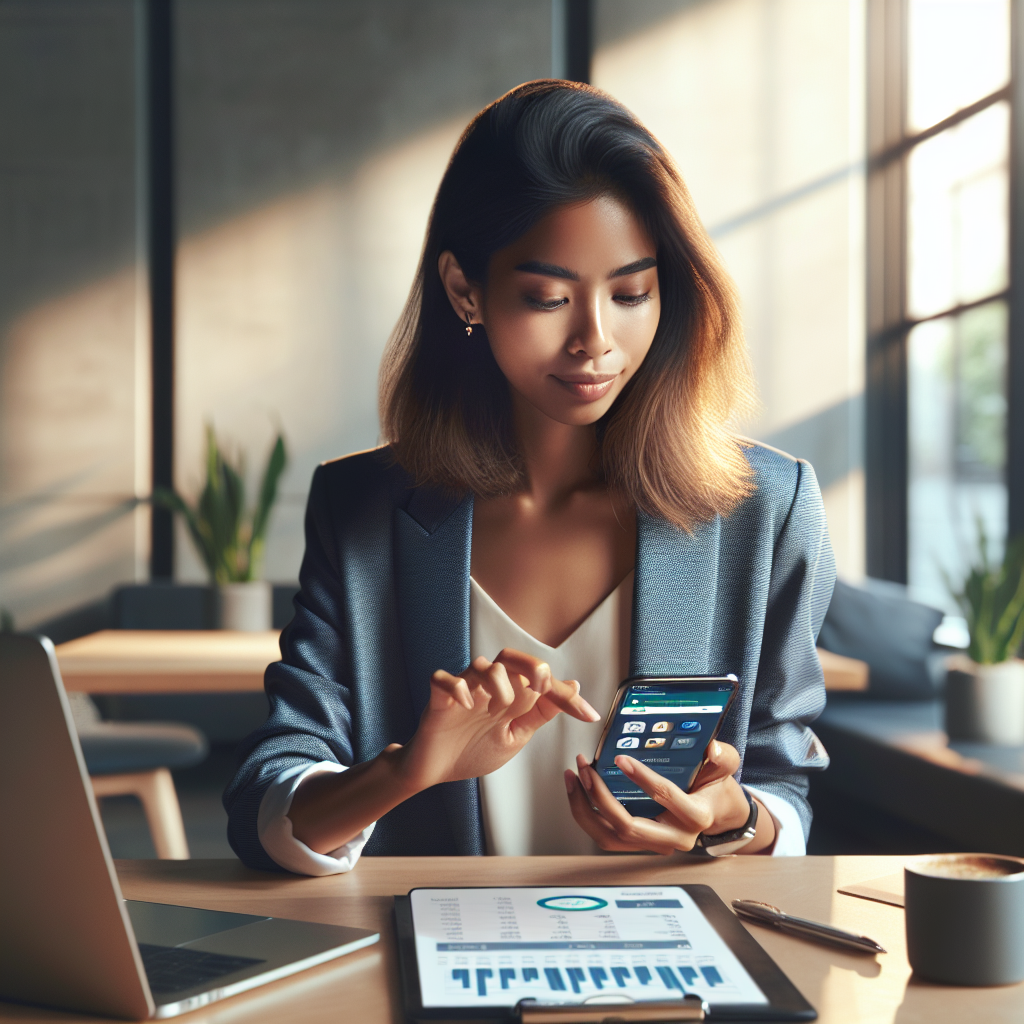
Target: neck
[[558, 457]]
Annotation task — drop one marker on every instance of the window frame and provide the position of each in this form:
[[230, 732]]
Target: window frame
[[889, 146]]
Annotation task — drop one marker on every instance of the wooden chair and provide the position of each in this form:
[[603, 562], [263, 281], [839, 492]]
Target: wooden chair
[[155, 791], [133, 759]]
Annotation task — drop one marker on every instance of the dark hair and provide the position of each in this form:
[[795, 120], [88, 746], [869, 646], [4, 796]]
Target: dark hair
[[444, 403]]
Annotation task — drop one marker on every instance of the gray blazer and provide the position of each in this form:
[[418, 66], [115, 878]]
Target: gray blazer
[[385, 602]]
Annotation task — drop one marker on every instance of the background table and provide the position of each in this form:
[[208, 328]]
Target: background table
[[216, 660], [362, 988], [167, 660]]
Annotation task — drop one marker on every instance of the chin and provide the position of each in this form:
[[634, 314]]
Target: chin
[[577, 416]]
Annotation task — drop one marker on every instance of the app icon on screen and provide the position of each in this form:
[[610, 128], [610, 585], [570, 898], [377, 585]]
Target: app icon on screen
[[655, 741], [627, 743], [688, 727], [634, 727], [683, 742], [661, 727]]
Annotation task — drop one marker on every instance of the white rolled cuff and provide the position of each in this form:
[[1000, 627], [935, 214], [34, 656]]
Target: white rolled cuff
[[274, 827], [789, 831]]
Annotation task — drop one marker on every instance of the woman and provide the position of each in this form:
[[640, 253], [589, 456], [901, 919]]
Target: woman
[[560, 487]]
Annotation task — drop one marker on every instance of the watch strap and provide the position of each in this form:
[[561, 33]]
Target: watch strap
[[729, 842]]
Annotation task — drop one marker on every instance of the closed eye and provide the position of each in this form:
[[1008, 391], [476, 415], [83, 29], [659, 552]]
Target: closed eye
[[546, 304], [633, 300]]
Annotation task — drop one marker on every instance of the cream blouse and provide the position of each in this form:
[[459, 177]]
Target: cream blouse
[[524, 805]]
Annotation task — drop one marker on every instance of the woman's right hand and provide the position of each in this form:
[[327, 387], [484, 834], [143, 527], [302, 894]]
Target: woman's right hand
[[473, 724], [476, 721]]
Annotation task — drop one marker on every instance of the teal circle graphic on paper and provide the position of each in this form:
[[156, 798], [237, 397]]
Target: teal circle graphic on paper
[[572, 903]]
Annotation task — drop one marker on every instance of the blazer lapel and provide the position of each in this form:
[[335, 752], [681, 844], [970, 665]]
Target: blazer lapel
[[674, 598], [433, 540], [433, 536]]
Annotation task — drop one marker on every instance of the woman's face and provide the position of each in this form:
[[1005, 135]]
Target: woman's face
[[571, 309]]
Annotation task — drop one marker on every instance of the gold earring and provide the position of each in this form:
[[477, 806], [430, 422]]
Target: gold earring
[[469, 324]]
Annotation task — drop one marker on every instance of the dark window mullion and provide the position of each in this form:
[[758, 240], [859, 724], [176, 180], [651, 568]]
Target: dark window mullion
[[1015, 354], [886, 379]]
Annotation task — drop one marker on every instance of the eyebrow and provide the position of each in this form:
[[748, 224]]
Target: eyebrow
[[548, 270], [635, 267], [553, 270]]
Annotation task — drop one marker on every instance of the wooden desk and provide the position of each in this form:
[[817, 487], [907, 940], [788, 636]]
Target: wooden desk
[[362, 988], [167, 661]]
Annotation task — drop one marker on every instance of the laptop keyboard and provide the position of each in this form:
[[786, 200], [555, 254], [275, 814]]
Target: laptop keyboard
[[175, 968]]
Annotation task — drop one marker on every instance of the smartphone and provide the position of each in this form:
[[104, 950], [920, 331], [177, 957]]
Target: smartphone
[[667, 722]]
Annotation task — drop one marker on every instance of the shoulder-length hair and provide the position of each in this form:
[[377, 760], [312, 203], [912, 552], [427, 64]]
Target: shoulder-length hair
[[445, 408]]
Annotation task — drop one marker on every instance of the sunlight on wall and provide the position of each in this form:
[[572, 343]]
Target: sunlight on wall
[[760, 102], [74, 423], [282, 316]]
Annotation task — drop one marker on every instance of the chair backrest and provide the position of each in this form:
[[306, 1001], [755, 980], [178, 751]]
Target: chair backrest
[[880, 625], [163, 606], [65, 936], [183, 606]]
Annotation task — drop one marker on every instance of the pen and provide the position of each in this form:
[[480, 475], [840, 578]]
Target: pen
[[765, 913]]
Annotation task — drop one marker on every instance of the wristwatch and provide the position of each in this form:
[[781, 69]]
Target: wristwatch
[[729, 842]]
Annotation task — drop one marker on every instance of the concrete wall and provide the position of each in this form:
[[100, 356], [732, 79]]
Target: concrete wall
[[311, 135], [74, 442], [761, 104]]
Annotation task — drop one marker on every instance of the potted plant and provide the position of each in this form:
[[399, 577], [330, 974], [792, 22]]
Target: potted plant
[[229, 538], [985, 689]]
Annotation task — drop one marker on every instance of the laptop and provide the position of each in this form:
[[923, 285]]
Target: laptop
[[67, 936]]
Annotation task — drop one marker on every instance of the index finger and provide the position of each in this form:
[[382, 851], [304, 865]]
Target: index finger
[[566, 697]]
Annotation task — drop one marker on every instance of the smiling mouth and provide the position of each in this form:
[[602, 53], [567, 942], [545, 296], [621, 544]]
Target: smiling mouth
[[588, 388]]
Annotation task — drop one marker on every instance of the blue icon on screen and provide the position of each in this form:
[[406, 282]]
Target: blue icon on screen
[[688, 727]]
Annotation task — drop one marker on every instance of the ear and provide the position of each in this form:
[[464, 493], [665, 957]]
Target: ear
[[465, 296]]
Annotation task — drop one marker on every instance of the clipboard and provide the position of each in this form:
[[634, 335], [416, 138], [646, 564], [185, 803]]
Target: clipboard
[[784, 1001]]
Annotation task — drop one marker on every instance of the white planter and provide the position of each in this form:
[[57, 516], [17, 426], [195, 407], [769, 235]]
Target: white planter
[[985, 703], [247, 607]]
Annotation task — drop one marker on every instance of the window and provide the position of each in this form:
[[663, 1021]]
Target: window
[[939, 279]]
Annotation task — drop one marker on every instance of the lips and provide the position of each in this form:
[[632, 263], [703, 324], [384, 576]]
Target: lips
[[588, 387]]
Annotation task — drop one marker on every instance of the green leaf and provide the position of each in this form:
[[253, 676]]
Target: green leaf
[[230, 544], [992, 600], [276, 464]]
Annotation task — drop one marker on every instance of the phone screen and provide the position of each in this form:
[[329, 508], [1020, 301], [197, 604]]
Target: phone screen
[[665, 723]]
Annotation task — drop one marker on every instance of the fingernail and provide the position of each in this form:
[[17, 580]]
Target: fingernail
[[540, 677], [589, 709], [716, 748], [626, 764], [570, 779]]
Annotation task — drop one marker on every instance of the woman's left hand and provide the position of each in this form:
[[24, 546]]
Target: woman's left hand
[[714, 804]]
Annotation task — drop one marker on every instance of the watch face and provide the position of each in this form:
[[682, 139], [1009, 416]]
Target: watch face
[[724, 849]]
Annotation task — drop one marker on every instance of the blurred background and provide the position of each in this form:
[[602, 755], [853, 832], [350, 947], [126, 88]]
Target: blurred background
[[211, 212]]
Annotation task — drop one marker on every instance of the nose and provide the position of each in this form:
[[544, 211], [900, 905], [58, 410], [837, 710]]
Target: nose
[[587, 337]]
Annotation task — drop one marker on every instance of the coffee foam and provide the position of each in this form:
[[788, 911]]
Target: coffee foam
[[967, 866]]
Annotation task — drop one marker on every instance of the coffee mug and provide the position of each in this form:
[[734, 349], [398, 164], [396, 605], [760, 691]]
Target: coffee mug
[[965, 918]]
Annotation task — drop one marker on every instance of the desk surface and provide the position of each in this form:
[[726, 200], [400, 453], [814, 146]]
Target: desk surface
[[167, 661], [362, 988]]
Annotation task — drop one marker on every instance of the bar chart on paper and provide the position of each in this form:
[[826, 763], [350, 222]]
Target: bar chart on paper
[[493, 947]]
